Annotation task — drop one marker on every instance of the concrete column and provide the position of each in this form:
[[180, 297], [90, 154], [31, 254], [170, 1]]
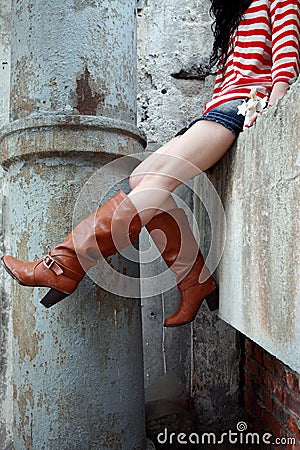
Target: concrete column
[[6, 416], [77, 368]]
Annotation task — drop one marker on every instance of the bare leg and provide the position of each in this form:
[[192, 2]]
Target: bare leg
[[177, 161], [143, 168]]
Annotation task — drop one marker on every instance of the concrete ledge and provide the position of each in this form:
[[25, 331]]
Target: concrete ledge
[[258, 182]]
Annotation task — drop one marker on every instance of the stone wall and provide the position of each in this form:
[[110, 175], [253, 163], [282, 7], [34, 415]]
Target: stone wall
[[174, 43]]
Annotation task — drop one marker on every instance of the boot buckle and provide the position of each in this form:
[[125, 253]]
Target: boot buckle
[[51, 264], [48, 261]]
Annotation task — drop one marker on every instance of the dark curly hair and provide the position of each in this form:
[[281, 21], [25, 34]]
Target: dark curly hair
[[227, 15]]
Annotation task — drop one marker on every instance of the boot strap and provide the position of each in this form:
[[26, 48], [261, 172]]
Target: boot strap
[[53, 265]]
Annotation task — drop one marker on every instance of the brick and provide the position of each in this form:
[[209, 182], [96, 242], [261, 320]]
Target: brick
[[251, 383], [251, 404], [293, 382], [271, 424], [292, 445], [254, 425], [279, 369], [258, 353], [279, 411], [294, 427], [292, 403], [274, 385], [254, 368], [297, 384], [268, 401], [249, 346], [290, 380], [268, 362], [248, 380]]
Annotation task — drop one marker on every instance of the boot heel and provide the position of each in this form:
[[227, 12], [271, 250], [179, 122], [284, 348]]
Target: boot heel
[[52, 297], [212, 300]]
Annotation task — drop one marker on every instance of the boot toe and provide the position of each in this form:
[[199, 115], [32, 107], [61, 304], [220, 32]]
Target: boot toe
[[19, 271], [175, 323], [177, 319], [9, 264]]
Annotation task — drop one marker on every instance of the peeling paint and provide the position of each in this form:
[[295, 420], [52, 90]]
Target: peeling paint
[[87, 100], [79, 5], [22, 102], [24, 323]]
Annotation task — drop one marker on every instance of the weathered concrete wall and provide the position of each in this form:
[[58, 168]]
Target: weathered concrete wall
[[258, 181], [6, 415], [174, 43]]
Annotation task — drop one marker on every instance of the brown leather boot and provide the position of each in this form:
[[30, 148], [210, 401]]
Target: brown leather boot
[[174, 238], [114, 225]]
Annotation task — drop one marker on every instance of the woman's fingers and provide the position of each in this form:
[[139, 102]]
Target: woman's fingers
[[251, 121]]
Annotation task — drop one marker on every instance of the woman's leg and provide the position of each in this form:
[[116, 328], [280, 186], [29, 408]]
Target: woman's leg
[[118, 222], [180, 159], [183, 157], [141, 170]]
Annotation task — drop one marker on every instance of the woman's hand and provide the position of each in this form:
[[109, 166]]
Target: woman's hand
[[252, 120], [278, 91]]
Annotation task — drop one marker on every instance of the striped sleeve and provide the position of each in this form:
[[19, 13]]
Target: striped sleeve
[[285, 24]]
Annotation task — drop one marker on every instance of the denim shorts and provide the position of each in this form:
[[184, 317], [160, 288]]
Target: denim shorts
[[225, 114]]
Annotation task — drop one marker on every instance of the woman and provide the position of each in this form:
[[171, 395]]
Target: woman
[[256, 46]]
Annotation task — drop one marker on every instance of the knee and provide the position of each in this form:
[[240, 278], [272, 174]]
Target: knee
[[159, 182], [134, 180]]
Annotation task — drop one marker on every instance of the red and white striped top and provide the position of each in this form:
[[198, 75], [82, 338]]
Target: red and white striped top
[[263, 50]]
